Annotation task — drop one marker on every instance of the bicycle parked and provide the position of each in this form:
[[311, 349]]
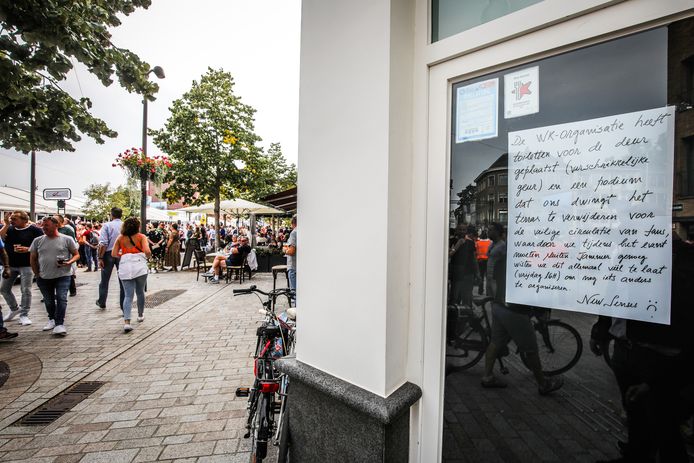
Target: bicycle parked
[[469, 333], [267, 399]]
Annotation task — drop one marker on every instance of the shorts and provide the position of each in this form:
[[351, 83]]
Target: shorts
[[511, 325]]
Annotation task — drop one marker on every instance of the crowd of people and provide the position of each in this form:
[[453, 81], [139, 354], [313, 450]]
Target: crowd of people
[[53, 250]]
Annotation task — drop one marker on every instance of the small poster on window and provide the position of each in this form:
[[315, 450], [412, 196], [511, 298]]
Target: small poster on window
[[477, 115], [522, 92], [590, 223]]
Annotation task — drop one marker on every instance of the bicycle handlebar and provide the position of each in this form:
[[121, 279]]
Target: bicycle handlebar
[[254, 289]]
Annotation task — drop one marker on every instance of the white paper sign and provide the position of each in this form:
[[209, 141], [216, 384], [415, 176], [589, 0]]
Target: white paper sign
[[522, 92], [591, 213], [477, 115]]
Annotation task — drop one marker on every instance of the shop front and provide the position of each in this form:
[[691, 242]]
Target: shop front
[[506, 159]]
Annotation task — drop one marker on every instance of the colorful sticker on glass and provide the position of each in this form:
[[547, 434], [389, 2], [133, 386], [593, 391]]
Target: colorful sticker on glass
[[522, 92], [477, 114]]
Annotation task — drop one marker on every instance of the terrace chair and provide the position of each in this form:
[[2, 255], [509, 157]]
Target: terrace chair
[[200, 264], [236, 271]]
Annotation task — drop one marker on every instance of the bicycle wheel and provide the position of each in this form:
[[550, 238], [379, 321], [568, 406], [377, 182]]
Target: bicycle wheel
[[466, 348], [260, 431], [283, 452], [559, 347]]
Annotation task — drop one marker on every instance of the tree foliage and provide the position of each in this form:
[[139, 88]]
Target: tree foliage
[[102, 197], [467, 197], [268, 173], [38, 40], [209, 137]]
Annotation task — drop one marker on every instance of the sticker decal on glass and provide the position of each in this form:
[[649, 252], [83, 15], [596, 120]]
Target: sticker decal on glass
[[522, 92], [477, 115]]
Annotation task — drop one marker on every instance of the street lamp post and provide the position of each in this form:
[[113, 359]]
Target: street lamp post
[[159, 72]]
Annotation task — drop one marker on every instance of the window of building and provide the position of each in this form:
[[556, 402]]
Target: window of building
[[574, 199], [490, 181], [449, 17]]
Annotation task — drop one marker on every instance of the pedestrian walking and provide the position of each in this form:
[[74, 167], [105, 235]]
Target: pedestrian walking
[[107, 239], [173, 249], [52, 256], [290, 251], [68, 230], [4, 334], [18, 234], [91, 247], [132, 249]]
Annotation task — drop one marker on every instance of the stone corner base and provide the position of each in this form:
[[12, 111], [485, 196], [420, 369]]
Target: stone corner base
[[332, 420]]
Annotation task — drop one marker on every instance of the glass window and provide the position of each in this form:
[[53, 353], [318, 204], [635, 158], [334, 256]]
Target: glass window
[[450, 17], [490, 181], [585, 145]]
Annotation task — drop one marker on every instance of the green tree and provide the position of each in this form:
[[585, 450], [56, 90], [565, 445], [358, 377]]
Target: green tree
[[208, 137], [269, 173], [102, 197], [98, 203], [38, 39]]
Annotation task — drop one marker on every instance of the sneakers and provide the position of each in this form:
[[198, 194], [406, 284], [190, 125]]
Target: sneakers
[[7, 335], [49, 326], [551, 385], [208, 273], [140, 318], [100, 305], [127, 328], [60, 329], [10, 315], [24, 320], [214, 281]]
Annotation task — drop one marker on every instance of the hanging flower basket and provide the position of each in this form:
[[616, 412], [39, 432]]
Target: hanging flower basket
[[135, 163]]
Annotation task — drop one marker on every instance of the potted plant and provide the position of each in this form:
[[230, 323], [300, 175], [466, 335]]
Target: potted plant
[[269, 256], [136, 164]]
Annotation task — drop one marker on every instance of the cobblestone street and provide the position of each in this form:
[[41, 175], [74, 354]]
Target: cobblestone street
[[169, 384]]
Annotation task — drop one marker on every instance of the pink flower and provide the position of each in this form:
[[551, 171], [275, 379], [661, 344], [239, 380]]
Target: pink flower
[[113, 165]]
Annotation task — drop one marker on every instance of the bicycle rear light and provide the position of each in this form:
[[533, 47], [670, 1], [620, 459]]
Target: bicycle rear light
[[269, 387]]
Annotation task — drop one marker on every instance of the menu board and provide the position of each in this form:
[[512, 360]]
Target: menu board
[[590, 220]]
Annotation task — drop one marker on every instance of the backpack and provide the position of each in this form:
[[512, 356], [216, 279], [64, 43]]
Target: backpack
[[93, 239]]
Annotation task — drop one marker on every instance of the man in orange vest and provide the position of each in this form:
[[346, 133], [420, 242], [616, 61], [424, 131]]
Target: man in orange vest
[[482, 247]]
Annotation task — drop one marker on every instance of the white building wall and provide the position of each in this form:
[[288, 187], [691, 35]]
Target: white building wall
[[354, 152]]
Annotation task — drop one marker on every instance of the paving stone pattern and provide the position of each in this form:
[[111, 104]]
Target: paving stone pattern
[[169, 392]]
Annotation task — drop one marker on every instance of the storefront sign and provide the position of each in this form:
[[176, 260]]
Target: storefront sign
[[522, 92], [590, 218], [477, 115]]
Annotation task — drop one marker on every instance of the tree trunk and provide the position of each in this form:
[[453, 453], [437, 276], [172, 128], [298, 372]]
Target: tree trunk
[[217, 208]]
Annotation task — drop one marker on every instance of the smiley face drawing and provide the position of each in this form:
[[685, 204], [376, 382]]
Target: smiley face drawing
[[652, 305]]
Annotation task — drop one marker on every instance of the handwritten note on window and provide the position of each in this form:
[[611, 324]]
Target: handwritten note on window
[[590, 214]]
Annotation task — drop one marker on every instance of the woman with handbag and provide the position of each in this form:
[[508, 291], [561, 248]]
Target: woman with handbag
[[132, 248]]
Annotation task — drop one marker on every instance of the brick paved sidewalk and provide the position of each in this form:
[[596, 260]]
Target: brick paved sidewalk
[[169, 392]]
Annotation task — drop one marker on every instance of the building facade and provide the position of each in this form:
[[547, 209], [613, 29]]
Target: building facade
[[434, 94]]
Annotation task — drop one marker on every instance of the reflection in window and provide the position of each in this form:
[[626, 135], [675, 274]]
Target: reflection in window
[[635, 74], [450, 17]]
